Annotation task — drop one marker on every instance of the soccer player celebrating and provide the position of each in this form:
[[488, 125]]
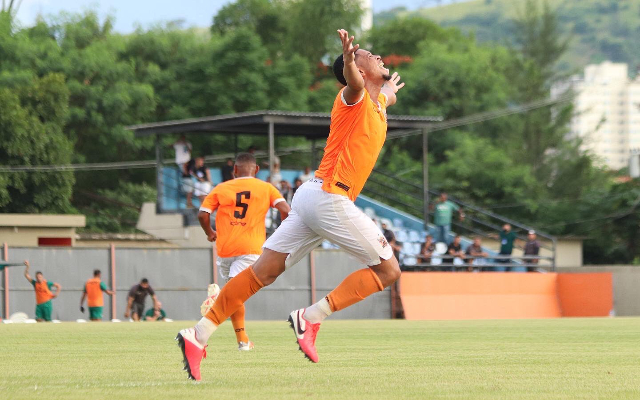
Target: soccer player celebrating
[[322, 209], [42, 287], [93, 289], [242, 205]]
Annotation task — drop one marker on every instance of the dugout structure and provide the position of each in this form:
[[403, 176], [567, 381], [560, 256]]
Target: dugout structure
[[312, 126]]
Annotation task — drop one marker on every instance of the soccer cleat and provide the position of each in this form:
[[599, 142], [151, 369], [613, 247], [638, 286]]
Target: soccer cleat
[[242, 346], [192, 352], [306, 333]]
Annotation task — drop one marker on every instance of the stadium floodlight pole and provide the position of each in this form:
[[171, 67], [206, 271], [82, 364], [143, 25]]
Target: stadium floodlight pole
[[425, 175]]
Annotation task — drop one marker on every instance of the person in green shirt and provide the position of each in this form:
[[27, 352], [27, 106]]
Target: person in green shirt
[[507, 240], [443, 210], [155, 314], [42, 287]]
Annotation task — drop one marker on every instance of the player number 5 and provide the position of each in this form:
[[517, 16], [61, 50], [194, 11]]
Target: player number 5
[[241, 214]]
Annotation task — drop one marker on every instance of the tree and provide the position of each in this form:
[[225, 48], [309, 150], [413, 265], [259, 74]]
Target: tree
[[32, 117]]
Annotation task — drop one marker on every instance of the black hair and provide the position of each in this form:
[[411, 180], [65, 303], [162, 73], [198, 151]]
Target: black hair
[[38, 272], [144, 280], [338, 69], [96, 272], [245, 158]]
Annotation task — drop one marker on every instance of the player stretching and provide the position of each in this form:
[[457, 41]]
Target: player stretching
[[323, 209], [242, 204]]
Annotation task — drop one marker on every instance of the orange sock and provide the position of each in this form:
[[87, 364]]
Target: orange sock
[[237, 319], [233, 295], [354, 288]]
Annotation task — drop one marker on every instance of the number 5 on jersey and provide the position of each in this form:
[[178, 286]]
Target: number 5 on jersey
[[240, 214]]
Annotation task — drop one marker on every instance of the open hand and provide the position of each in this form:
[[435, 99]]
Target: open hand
[[348, 49], [393, 83]]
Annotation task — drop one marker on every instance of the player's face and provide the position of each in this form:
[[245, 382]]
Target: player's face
[[372, 65], [144, 285], [39, 277]]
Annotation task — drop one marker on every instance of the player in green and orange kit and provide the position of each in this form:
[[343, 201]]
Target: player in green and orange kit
[[93, 289], [42, 287]]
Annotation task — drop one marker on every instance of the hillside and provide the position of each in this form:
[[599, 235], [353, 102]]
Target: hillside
[[599, 29]]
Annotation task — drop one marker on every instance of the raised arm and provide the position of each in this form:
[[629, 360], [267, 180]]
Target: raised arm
[[355, 82], [391, 88], [26, 271], [284, 209]]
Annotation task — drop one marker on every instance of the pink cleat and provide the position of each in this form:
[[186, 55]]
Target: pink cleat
[[192, 352], [305, 333]]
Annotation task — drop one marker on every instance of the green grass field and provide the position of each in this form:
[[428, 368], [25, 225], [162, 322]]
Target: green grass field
[[525, 359]]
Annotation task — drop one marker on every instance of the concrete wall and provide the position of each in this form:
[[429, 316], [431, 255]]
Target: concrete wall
[[28, 236], [25, 229], [180, 278], [626, 286]]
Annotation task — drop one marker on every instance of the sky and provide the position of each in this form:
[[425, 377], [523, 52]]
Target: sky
[[130, 14]]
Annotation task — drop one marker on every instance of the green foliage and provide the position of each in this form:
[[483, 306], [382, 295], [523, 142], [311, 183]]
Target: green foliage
[[32, 117]]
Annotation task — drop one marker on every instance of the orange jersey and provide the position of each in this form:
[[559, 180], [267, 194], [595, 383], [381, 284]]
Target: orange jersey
[[356, 137], [94, 287], [43, 294], [242, 205]]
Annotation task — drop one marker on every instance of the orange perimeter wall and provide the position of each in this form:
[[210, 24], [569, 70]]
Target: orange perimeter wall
[[440, 295]]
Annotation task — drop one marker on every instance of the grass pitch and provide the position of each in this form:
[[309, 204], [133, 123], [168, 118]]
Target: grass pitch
[[523, 359]]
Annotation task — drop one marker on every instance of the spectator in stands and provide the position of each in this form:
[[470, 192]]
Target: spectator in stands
[[188, 169], [286, 191], [391, 239], [296, 185], [203, 179], [442, 216], [507, 238], [227, 170], [183, 151], [455, 250], [275, 177], [137, 297], [307, 174], [475, 250], [155, 314], [428, 247], [532, 248]]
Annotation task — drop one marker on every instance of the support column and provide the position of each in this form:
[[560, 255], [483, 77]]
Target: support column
[[159, 182], [272, 148], [425, 175], [314, 161], [6, 282], [112, 253]]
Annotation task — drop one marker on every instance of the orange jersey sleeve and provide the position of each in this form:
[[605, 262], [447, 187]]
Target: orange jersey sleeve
[[242, 205], [210, 203], [356, 137]]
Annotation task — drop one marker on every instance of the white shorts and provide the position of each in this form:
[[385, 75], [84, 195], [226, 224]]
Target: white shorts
[[187, 185], [317, 215], [202, 188], [232, 266]]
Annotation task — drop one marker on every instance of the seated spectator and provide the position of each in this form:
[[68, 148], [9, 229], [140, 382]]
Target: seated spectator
[[155, 314], [455, 250], [532, 248], [475, 250], [296, 185], [188, 169], [203, 179], [227, 170], [286, 191], [308, 174], [428, 247], [391, 239]]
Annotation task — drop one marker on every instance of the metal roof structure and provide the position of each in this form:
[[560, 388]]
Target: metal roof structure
[[287, 123]]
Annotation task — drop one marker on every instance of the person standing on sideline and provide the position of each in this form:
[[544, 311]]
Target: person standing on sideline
[[227, 170], [93, 289], [42, 287], [323, 209], [203, 179], [183, 151], [507, 239], [136, 300], [532, 248], [308, 174], [442, 216]]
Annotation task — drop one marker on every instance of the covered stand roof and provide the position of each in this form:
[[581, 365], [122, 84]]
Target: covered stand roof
[[287, 123]]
